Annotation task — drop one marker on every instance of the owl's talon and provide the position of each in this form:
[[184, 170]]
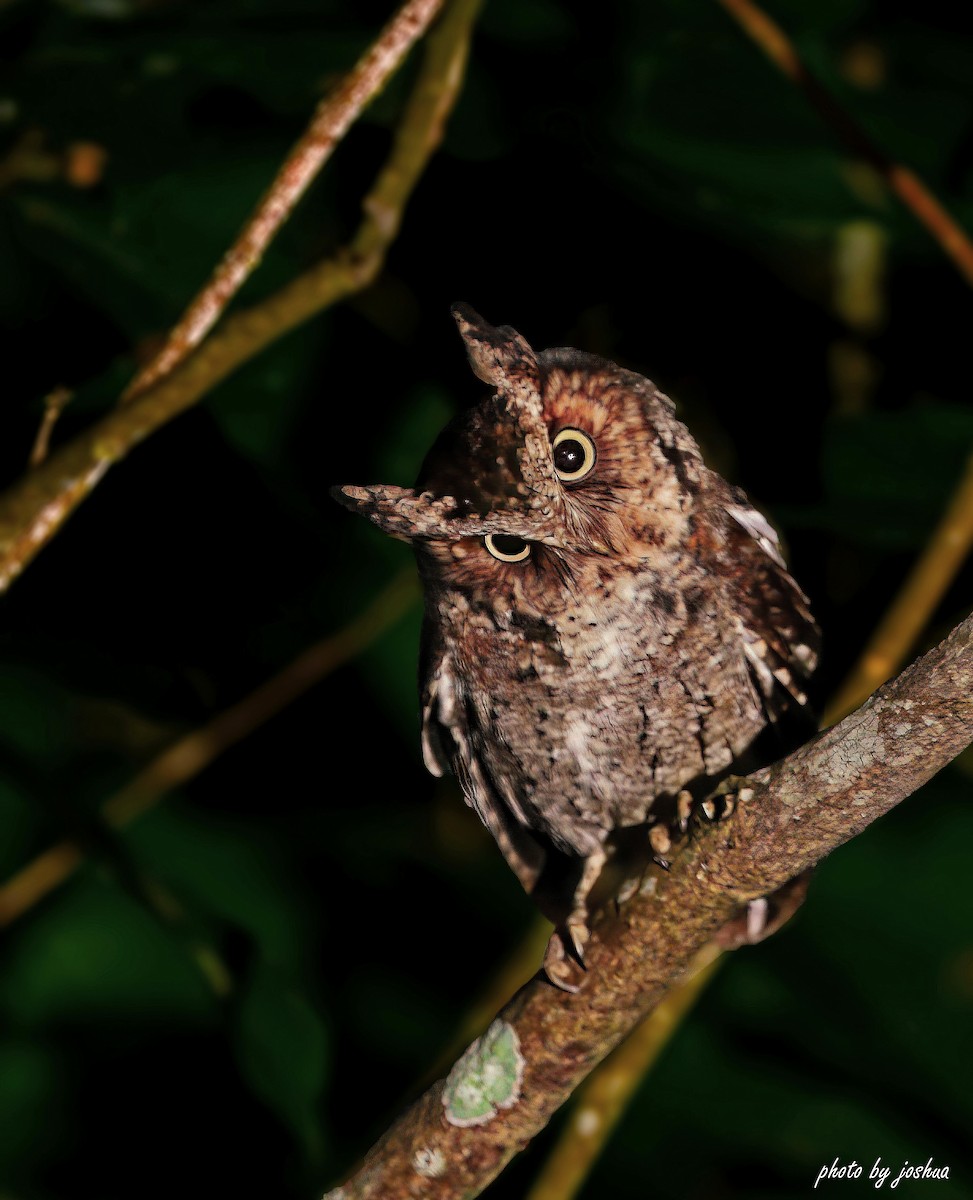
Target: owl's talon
[[684, 810], [710, 809], [757, 918], [562, 970], [765, 915], [579, 934], [723, 802], [660, 840]]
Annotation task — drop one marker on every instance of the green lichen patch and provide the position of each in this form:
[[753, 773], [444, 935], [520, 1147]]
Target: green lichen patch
[[486, 1078]]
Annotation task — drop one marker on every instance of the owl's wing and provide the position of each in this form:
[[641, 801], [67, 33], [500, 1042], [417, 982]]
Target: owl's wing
[[781, 638], [449, 738]]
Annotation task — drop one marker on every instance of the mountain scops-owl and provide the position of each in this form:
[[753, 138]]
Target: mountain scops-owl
[[609, 625]]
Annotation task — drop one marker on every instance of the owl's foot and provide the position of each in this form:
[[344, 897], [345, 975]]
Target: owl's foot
[[765, 916]]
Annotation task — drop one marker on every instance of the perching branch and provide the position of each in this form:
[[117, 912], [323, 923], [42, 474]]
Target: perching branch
[[36, 507], [502, 1091], [905, 183]]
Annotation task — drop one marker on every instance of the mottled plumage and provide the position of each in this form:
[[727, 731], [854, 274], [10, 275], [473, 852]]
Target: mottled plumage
[[636, 634]]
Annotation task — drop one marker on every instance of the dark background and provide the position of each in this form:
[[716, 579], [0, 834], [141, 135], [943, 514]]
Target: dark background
[[630, 178]]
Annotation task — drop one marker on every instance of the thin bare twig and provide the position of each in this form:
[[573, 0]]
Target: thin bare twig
[[333, 118], [458, 1136], [35, 508], [909, 188], [195, 751], [54, 404]]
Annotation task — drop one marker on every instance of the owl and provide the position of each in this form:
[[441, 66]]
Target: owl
[[609, 625]]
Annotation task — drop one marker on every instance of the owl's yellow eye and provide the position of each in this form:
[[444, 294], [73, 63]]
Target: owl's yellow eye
[[574, 455], [507, 548]]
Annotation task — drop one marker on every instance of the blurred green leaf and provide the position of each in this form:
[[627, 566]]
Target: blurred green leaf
[[31, 1085], [282, 1050], [888, 475], [223, 869], [259, 410], [410, 431], [18, 820], [93, 955], [41, 728]]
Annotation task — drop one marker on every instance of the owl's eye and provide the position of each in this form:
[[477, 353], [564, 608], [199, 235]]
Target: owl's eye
[[574, 455], [507, 548]]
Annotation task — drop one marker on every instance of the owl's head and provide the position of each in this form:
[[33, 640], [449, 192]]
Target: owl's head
[[571, 460]]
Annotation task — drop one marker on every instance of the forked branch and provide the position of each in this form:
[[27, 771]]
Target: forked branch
[[35, 508]]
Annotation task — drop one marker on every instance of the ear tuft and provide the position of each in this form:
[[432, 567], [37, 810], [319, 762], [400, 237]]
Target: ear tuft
[[499, 355]]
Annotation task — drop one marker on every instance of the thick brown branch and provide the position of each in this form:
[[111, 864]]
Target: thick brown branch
[[459, 1135]]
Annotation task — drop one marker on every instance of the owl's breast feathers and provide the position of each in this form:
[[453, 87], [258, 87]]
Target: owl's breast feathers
[[576, 724]]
